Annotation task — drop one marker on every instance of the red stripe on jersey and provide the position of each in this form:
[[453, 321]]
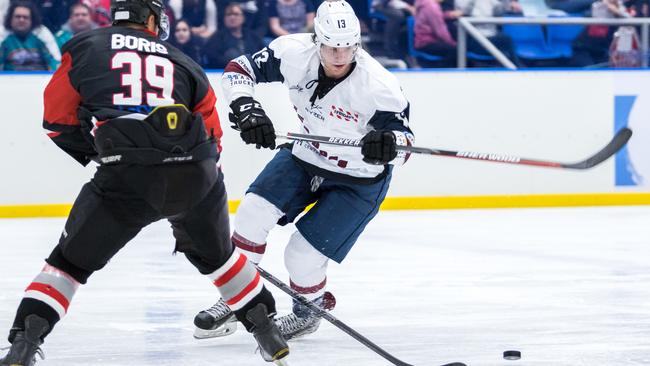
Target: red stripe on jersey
[[60, 98], [210, 117], [51, 292], [232, 272], [308, 290], [251, 286], [235, 67], [53, 134]]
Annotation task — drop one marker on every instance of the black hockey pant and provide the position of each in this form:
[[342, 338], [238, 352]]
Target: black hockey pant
[[121, 200]]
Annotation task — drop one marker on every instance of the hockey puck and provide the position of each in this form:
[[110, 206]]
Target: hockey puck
[[511, 355]]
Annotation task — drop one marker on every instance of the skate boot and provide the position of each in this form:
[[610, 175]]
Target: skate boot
[[303, 320], [26, 343], [272, 345], [217, 321]]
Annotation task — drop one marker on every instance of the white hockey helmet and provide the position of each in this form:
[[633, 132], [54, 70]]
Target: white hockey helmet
[[336, 25]]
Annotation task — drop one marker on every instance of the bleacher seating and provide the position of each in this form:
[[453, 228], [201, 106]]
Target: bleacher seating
[[560, 38], [530, 43], [410, 24]]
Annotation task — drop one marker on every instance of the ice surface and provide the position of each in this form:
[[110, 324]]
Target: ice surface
[[563, 286]]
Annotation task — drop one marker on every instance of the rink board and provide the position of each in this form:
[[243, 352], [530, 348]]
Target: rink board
[[551, 115]]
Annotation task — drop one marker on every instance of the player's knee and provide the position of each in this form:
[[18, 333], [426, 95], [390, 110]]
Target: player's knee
[[59, 260], [255, 218], [305, 264]]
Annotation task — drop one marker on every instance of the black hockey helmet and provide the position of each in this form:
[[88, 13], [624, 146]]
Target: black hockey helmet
[[137, 11]]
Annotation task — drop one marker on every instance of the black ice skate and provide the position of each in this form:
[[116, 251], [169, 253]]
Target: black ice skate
[[271, 344], [304, 321], [26, 343], [217, 321]]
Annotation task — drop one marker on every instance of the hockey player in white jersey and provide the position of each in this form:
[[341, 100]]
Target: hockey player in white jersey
[[337, 89]]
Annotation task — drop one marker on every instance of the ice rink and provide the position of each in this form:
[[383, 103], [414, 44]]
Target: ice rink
[[564, 286]]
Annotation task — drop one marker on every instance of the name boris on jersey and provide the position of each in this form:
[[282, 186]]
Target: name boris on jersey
[[121, 41]]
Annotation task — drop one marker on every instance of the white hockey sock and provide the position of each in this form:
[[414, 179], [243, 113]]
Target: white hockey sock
[[307, 267], [254, 220], [53, 287], [237, 280], [254, 251]]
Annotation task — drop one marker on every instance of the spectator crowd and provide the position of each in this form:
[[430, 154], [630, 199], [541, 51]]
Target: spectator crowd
[[214, 31]]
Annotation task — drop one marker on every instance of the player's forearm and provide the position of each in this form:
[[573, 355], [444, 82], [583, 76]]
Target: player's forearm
[[238, 79]]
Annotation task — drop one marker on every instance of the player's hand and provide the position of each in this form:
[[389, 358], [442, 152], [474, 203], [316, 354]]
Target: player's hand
[[254, 125], [379, 147]]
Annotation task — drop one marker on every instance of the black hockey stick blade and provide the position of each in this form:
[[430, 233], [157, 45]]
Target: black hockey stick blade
[[337, 323], [619, 140]]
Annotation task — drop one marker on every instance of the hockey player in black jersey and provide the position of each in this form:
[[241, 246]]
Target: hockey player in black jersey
[[127, 99]]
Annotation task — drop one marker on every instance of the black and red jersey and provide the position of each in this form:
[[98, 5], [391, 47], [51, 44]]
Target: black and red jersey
[[116, 71]]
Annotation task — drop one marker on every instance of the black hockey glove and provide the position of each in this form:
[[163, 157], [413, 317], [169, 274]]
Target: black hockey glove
[[254, 125], [378, 147]]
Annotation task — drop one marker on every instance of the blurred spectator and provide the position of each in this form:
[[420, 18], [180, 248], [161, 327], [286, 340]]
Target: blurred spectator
[[625, 49], [53, 12], [4, 6], [571, 6], [291, 16], [41, 31], [170, 13], [79, 21], [638, 8], [201, 15], [256, 13], [234, 40], [185, 41], [486, 9], [100, 11], [361, 9], [431, 33], [396, 12], [592, 46], [22, 49]]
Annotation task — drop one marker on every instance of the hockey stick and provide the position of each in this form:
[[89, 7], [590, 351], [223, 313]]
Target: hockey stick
[[619, 140], [337, 323]]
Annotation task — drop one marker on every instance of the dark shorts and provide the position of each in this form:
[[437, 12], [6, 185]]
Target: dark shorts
[[341, 212], [120, 200]]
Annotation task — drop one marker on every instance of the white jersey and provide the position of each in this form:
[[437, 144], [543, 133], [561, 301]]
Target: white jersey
[[368, 98]]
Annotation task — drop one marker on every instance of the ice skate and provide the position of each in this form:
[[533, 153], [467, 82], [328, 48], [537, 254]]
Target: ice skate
[[26, 343], [304, 321], [272, 345], [217, 321]]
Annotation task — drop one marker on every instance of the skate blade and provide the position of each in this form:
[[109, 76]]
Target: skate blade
[[281, 362], [224, 330]]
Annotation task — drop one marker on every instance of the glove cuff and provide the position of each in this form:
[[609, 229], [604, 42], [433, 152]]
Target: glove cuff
[[237, 103], [402, 139]]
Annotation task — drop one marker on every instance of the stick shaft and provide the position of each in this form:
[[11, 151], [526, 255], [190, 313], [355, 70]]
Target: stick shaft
[[619, 140], [330, 318]]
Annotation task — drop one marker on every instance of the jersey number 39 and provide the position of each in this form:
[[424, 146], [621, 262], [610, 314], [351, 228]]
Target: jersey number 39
[[158, 73]]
